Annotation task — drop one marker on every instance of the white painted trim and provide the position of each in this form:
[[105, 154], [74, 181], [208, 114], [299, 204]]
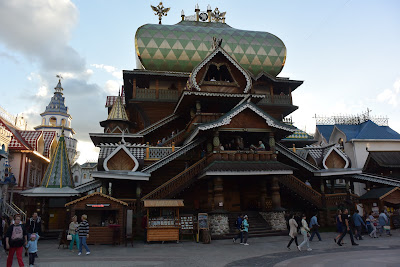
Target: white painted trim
[[344, 172], [340, 153], [128, 176], [374, 140], [122, 146]]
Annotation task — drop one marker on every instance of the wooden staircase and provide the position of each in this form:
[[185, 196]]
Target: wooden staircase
[[175, 184], [298, 186]]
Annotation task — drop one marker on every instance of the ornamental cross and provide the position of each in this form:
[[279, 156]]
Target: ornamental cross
[[160, 11]]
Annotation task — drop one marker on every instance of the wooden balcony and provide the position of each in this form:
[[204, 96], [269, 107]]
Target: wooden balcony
[[276, 100], [238, 155], [154, 94]]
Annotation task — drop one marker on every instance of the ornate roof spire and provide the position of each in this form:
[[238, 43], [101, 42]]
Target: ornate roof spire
[[59, 88], [58, 173], [118, 111]]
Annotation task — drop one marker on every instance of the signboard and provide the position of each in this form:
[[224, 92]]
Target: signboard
[[187, 222], [203, 221], [97, 205], [396, 221]]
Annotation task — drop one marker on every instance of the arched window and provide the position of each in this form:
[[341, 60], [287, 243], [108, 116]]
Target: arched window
[[225, 74], [53, 121], [76, 178], [63, 122], [213, 74], [44, 121], [340, 142]]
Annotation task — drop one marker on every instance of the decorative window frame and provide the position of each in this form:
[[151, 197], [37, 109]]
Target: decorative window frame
[[234, 83], [209, 58], [123, 147]]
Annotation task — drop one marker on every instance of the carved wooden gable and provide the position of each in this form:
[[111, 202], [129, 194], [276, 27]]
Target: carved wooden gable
[[248, 119], [121, 159], [219, 72]]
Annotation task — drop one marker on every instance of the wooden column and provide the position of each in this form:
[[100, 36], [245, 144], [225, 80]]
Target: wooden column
[[352, 186], [263, 195], [157, 88], [272, 141], [322, 185], [332, 186], [218, 193], [216, 142], [134, 88], [271, 91], [290, 94], [179, 87], [210, 200], [275, 194]]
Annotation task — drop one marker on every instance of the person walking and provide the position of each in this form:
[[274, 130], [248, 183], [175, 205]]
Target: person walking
[[314, 227], [83, 232], [16, 238], [358, 223], [245, 229], [384, 223], [72, 230], [339, 224], [305, 231], [293, 231], [346, 226], [32, 248], [239, 230], [34, 227], [372, 222]]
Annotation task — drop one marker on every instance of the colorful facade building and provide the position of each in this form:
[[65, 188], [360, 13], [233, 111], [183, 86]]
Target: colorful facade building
[[56, 119]]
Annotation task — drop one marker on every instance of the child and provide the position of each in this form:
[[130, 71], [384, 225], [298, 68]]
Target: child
[[32, 248]]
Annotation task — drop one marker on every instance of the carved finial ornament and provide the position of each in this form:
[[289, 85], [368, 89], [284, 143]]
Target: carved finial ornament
[[160, 11]]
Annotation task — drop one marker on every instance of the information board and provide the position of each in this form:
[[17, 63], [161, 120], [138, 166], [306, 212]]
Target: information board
[[187, 222], [396, 221], [203, 221]]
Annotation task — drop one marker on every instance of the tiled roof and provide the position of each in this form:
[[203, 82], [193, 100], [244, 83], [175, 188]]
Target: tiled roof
[[31, 137], [118, 111], [365, 130], [57, 101], [58, 173], [386, 158], [376, 193], [111, 99], [182, 46], [326, 131], [299, 134], [137, 150], [48, 140], [17, 142]]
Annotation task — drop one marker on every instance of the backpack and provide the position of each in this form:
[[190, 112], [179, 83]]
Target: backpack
[[17, 236]]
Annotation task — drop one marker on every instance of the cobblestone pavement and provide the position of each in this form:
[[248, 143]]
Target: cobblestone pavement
[[265, 251]]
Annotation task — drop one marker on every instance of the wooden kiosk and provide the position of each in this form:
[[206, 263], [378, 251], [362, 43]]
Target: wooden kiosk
[[106, 217], [163, 222]]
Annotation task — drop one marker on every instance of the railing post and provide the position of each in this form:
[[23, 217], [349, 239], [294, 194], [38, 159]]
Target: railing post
[[271, 91], [173, 146], [134, 88], [147, 150], [157, 89]]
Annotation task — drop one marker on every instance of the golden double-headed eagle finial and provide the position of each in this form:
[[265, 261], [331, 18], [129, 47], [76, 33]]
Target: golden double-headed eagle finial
[[160, 11]]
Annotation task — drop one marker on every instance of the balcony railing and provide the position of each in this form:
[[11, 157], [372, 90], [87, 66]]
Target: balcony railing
[[152, 94], [276, 100], [238, 155]]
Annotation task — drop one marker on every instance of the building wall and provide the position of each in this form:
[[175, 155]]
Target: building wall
[[360, 148], [81, 174]]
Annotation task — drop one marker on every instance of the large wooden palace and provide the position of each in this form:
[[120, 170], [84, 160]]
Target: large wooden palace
[[202, 119]]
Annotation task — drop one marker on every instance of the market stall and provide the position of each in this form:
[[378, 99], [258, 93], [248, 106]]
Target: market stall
[[106, 217], [163, 222]]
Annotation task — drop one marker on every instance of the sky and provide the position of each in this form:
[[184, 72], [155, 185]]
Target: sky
[[347, 52]]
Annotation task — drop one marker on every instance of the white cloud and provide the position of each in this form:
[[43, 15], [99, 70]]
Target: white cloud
[[112, 87], [88, 152], [110, 69], [390, 96]]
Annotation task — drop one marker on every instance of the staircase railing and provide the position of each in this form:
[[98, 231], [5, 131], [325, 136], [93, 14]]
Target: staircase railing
[[182, 150], [177, 182], [21, 212], [8, 209], [333, 200], [158, 124], [302, 189]]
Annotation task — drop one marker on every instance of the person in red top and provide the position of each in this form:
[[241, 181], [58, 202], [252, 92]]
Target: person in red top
[[16, 239]]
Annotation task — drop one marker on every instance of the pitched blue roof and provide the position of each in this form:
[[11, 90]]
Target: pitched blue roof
[[325, 130], [365, 130]]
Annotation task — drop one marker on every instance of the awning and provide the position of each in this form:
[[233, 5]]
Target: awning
[[163, 203], [50, 192]]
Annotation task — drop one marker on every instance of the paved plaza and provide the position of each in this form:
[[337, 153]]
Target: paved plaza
[[264, 251]]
